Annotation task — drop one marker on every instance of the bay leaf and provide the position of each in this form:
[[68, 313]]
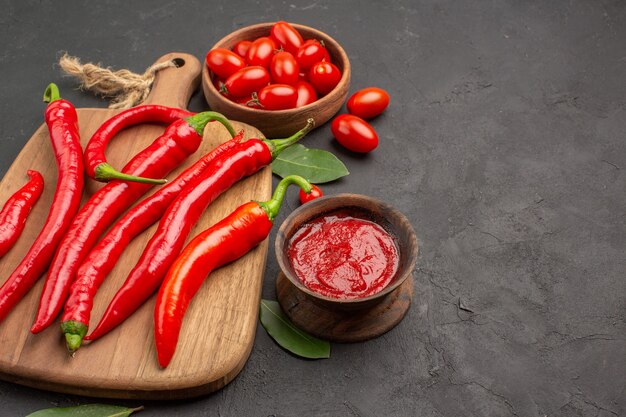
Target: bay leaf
[[315, 165], [86, 410], [290, 337]]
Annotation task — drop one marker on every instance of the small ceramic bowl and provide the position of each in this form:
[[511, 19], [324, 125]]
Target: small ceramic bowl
[[281, 123], [392, 220]]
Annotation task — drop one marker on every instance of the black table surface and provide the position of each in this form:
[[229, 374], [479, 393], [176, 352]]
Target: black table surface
[[504, 145]]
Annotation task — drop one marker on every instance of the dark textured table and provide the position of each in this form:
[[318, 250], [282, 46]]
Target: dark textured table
[[505, 146]]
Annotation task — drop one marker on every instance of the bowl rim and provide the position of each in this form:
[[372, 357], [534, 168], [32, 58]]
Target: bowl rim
[[390, 211], [345, 74]]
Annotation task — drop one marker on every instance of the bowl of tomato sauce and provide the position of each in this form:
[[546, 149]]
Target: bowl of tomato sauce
[[252, 74], [346, 251]]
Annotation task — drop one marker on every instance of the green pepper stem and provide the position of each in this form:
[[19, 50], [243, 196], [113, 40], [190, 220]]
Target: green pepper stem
[[105, 172], [278, 145], [74, 332], [52, 93], [272, 207], [200, 120]]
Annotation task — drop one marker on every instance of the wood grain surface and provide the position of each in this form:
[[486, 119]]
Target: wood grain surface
[[219, 327]]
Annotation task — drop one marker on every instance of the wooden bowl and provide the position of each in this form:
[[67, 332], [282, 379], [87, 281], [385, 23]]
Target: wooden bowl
[[392, 220], [281, 123]]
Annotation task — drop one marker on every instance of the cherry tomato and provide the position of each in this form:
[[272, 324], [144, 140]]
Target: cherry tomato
[[315, 193], [368, 102], [241, 48], [324, 76], [261, 51], [354, 133], [247, 101], [286, 36], [310, 52], [278, 97], [306, 93], [223, 62], [247, 80], [284, 68]]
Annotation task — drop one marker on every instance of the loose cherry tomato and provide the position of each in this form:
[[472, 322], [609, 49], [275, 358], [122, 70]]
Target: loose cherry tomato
[[284, 68], [241, 48], [354, 133], [315, 193], [286, 36], [306, 93], [278, 97], [223, 62], [310, 52], [246, 80], [261, 51], [324, 76], [368, 102]]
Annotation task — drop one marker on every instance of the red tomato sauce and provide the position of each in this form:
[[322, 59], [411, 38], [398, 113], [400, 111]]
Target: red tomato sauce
[[342, 256]]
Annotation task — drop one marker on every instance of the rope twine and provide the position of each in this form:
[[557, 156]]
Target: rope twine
[[126, 88]]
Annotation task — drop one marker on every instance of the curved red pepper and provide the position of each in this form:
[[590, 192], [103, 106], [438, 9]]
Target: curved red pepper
[[62, 123], [102, 258], [243, 160], [95, 159], [224, 242], [96, 164], [179, 140], [15, 210]]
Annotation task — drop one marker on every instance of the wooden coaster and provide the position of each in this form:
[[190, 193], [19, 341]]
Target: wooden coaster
[[343, 326]]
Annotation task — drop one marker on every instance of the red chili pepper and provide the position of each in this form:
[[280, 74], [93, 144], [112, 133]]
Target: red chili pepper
[[180, 139], [15, 210], [224, 242], [102, 258], [96, 164], [62, 124], [243, 160]]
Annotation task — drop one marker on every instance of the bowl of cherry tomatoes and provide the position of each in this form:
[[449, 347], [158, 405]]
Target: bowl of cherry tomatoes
[[274, 76]]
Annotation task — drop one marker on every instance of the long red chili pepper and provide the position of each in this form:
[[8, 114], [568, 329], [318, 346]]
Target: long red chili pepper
[[180, 139], [62, 124], [102, 258], [169, 238], [15, 210], [224, 242], [96, 164]]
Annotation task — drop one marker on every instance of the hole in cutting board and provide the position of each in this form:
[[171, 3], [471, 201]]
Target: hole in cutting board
[[179, 62]]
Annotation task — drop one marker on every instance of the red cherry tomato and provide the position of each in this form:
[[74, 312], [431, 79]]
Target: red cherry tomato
[[246, 80], [284, 68], [315, 193], [368, 102], [310, 52], [278, 97], [286, 36], [223, 62], [354, 133], [241, 48], [261, 51], [324, 76], [306, 93], [247, 101]]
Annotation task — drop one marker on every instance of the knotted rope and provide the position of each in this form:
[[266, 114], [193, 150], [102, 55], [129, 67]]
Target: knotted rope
[[125, 87]]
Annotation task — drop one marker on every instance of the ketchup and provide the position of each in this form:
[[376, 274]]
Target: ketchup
[[343, 256]]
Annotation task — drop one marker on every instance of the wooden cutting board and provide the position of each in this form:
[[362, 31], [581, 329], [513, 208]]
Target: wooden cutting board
[[220, 324]]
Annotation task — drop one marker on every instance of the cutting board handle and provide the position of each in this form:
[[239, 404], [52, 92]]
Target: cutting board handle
[[174, 86]]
